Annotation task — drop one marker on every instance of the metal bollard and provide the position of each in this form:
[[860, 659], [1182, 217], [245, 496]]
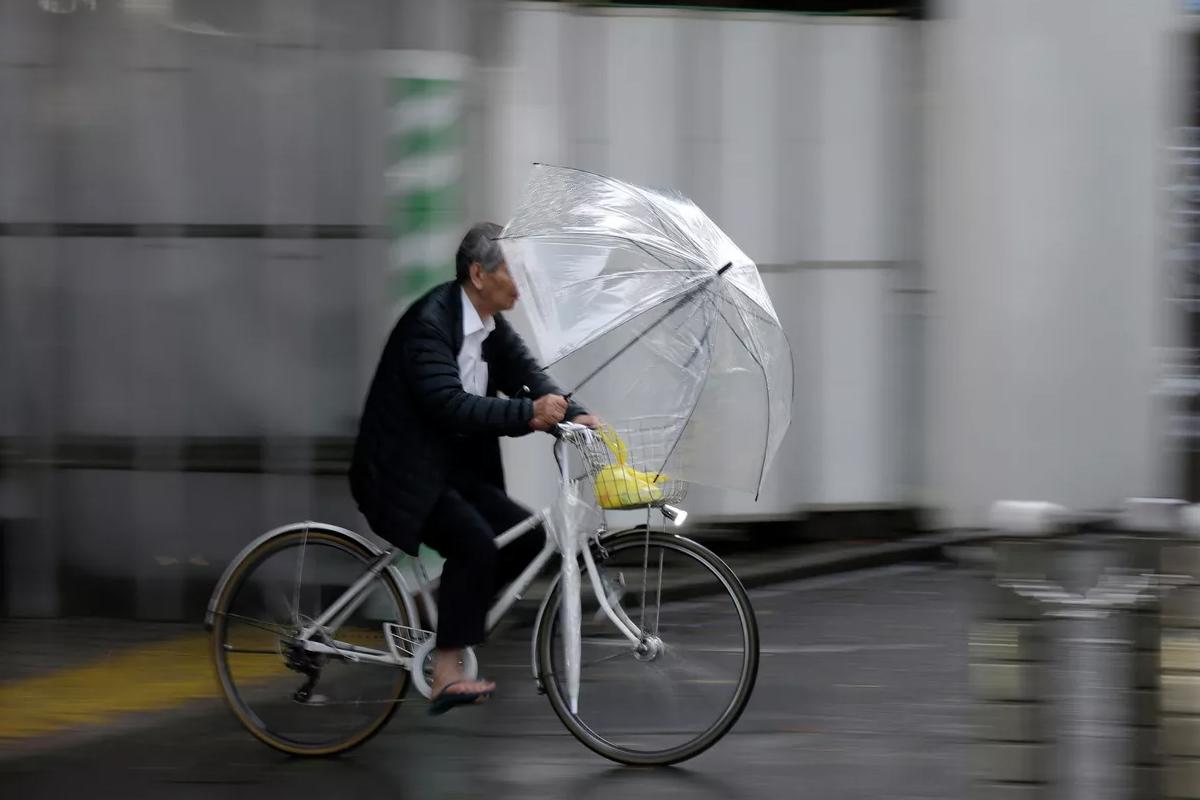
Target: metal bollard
[[1012, 749], [1150, 524], [1151, 590], [1180, 662]]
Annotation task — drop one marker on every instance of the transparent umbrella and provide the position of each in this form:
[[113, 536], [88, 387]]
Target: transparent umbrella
[[642, 305]]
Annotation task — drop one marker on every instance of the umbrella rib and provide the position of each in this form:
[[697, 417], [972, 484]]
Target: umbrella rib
[[698, 307], [746, 325], [699, 392], [688, 257], [612, 326], [766, 381], [753, 302], [687, 297], [741, 341], [686, 422], [762, 469], [703, 340], [607, 276], [636, 190], [792, 372], [619, 322]]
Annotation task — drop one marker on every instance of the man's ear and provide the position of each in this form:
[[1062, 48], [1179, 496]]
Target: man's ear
[[476, 274]]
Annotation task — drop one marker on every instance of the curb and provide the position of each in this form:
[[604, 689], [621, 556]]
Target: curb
[[922, 547]]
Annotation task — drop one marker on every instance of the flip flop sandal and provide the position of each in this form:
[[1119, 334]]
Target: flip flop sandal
[[447, 700]]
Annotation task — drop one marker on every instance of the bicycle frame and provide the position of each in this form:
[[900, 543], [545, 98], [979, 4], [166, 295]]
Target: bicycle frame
[[313, 637]]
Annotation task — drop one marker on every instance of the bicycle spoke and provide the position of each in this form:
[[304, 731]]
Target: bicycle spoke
[[602, 659], [658, 599], [329, 703], [299, 577], [276, 601], [645, 564], [698, 672], [269, 627]]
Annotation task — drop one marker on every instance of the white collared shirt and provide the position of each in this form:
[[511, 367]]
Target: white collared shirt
[[471, 367]]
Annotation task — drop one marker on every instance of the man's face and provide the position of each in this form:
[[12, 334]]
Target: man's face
[[497, 288]]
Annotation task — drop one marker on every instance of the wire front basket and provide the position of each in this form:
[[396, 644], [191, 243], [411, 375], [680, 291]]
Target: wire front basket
[[626, 463]]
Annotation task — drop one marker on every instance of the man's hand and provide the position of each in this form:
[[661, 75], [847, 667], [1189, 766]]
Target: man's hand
[[548, 411], [587, 419]]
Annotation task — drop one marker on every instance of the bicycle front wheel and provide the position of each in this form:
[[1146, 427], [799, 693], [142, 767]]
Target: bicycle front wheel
[[295, 700], [687, 683]]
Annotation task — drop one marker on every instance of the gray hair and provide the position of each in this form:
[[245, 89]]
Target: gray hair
[[479, 246]]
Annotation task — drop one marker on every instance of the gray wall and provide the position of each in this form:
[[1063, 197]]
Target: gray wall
[[218, 113], [1046, 176]]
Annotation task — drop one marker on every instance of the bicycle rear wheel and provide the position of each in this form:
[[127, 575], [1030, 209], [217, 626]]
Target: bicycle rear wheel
[[695, 671], [300, 702]]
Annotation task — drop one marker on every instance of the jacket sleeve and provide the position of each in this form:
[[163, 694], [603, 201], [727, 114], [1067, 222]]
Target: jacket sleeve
[[437, 386], [518, 369]]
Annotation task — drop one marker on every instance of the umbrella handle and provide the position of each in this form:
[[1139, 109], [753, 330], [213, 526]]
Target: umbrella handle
[[525, 390]]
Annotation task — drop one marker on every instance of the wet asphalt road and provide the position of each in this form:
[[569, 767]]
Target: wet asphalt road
[[862, 693]]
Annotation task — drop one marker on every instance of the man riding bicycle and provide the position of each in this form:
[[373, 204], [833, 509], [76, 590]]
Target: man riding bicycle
[[427, 465]]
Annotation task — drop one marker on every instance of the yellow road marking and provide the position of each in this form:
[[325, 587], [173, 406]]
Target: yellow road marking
[[147, 678], [150, 677]]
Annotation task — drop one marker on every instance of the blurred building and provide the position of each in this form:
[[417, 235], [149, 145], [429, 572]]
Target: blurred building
[[973, 217]]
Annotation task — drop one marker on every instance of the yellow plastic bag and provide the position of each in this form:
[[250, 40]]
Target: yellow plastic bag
[[617, 445], [620, 485]]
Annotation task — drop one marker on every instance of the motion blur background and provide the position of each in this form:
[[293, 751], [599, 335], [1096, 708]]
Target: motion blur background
[[975, 218]]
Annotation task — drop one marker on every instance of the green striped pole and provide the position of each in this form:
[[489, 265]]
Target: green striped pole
[[424, 178]]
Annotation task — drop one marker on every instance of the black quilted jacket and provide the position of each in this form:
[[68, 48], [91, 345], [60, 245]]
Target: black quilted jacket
[[417, 416]]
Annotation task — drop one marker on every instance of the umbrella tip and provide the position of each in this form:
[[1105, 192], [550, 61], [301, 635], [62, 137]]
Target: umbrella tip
[[721, 271]]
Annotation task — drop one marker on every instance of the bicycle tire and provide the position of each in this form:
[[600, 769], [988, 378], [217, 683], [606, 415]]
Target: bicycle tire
[[596, 741], [234, 698]]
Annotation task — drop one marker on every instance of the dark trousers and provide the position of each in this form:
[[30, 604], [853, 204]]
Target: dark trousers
[[462, 527]]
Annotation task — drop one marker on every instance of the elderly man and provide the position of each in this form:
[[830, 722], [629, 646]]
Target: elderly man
[[427, 459]]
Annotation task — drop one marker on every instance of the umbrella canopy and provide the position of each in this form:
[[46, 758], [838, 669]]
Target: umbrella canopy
[[642, 304]]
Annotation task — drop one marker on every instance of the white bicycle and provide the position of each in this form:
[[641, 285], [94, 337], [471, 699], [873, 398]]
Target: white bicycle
[[316, 636]]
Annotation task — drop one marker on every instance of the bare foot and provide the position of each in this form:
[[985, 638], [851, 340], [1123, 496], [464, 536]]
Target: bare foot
[[462, 686], [448, 676]]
